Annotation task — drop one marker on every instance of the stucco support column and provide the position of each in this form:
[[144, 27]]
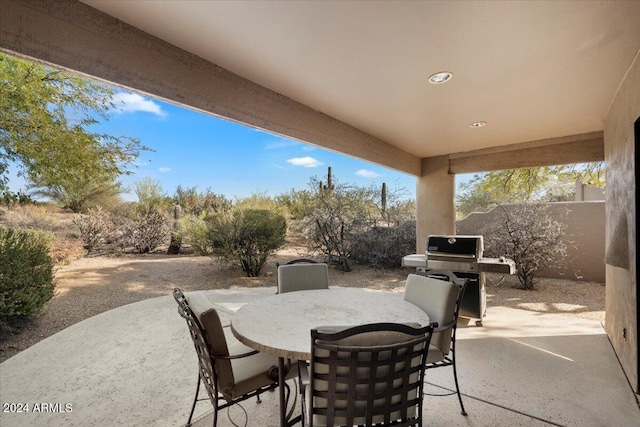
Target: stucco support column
[[435, 194]]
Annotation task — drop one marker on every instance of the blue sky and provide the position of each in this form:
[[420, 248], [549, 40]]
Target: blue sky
[[194, 149]]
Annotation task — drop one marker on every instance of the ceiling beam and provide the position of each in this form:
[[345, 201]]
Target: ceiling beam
[[582, 148], [72, 35]]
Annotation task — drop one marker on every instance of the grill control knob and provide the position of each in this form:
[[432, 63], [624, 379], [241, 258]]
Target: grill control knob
[[451, 240]]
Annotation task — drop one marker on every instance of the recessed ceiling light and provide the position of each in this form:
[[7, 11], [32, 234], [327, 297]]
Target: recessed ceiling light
[[477, 124], [441, 77]]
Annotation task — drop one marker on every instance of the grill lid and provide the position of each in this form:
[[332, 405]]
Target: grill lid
[[468, 248]]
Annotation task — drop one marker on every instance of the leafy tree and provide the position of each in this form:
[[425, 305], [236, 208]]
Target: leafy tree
[[45, 115], [549, 183], [151, 196], [78, 195]]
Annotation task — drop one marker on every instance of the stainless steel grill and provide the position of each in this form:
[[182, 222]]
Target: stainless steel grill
[[463, 256]]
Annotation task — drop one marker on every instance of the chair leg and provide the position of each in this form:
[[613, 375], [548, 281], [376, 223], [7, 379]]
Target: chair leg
[[215, 409], [195, 400], [455, 378]]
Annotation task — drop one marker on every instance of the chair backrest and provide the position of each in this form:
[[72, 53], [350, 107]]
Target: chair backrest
[[208, 338], [439, 299], [368, 374], [302, 275]]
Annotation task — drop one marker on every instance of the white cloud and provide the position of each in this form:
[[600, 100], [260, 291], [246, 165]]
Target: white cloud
[[305, 162], [127, 102], [164, 170], [367, 173]]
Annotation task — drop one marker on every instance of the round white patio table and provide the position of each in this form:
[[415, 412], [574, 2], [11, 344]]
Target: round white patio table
[[281, 324]]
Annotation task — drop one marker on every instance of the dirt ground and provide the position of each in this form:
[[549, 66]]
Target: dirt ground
[[94, 284]]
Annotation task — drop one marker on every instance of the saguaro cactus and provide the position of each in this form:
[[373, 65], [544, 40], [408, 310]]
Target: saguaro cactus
[[329, 185], [384, 197], [176, 237]]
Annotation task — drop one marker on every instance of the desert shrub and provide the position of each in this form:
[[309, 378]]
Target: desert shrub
[[194, 231], [66, 249], [530, 236], [145, 231], [383, 246], [298, 203], [26, 273], [247, 236], [197, 203], [93, 227], [339, 214], [260, 201]]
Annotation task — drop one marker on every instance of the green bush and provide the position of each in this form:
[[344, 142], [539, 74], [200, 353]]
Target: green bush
[[248, 236], [194, 232], [26, 273]]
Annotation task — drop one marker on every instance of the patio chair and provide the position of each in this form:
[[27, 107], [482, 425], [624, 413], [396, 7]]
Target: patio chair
[[301, 275], [365, 375], [439, 294], [230, 373]]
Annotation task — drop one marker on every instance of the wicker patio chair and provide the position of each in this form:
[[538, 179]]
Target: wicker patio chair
[[439, 294], [301, 275], [230, 373], [365, 375]]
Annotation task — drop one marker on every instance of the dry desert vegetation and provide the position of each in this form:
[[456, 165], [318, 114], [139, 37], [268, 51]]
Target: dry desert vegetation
[[91, 284]]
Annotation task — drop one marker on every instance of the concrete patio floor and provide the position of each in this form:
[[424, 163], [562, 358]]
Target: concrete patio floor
[[135, 366]]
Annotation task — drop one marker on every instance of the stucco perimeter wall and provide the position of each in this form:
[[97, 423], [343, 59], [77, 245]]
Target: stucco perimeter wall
[[621, 270], [584, 234]]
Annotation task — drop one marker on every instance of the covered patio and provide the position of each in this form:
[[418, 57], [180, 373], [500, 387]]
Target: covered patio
[[540, 83], [521, 368]]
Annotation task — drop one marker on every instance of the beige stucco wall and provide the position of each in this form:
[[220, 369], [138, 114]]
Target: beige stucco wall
[[586, 193], [622, 291], [435, 190], [584, 236]]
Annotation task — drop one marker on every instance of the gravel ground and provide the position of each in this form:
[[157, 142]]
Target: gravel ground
[[92, 285]]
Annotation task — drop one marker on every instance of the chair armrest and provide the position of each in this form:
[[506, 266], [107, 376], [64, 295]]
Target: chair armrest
[[238, 356], [303, 374]]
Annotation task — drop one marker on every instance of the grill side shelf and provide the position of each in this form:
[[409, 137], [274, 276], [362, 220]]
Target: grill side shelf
[[497, 265]]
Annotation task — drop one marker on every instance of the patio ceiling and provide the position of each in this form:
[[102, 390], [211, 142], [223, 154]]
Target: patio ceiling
[[352, 76], [531, 70]]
